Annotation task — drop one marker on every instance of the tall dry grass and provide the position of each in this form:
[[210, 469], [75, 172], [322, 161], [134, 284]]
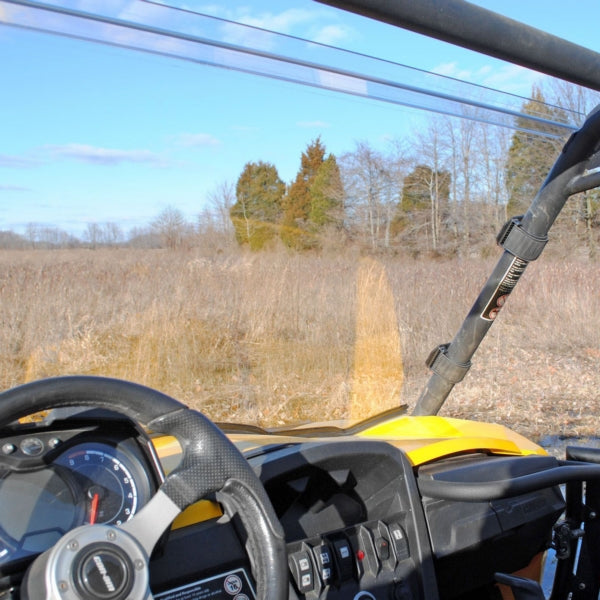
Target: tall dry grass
[[273, 338]]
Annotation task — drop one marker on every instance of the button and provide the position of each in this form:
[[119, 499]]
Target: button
[[324, 562], [344, 558], [399, 541], [382, 547], [306, 582], [302, 570]]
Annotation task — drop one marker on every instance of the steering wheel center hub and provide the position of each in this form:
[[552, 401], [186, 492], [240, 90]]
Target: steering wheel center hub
[[95, 562], [103, 572]]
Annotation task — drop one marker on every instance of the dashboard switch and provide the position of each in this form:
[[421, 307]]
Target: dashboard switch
[[324, 559], [344, 558], [302, 570], [399, 541], [382, 547]]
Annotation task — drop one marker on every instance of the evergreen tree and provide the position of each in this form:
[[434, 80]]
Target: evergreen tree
[[296, 231], [416, 192], [258, 208], [327, 195], [531, 155]]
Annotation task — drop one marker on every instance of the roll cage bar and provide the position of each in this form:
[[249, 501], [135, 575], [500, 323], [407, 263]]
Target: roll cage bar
[[475, 28]]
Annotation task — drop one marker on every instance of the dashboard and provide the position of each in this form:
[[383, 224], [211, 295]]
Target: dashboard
[[356, 524]]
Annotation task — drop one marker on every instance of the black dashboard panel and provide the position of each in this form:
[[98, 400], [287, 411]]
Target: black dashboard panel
[[197, 554], [353, 519], [496, 535], [356, 526]]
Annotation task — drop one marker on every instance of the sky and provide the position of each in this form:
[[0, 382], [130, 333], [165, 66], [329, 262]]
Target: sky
[[94, 133]]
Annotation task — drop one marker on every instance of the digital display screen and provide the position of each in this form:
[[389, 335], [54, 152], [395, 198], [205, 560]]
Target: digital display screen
[[36, 509]]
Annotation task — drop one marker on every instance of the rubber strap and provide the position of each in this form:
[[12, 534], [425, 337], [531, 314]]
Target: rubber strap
[[520, 243], [439, 362]]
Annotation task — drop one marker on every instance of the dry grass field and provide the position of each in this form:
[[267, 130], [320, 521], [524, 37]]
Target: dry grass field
[[274, 338]]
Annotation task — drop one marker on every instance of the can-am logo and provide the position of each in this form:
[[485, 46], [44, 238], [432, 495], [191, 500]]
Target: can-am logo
[[108, 582]]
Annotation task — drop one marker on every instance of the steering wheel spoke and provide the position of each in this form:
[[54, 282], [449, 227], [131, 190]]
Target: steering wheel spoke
[[152, 521]]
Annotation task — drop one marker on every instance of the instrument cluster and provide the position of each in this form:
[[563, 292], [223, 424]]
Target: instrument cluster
[[55, 479]]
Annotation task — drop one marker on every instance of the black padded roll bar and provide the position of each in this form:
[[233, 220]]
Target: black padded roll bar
[[464, 24]]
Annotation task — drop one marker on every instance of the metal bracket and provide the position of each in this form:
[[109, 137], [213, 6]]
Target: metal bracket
[[564, 534]]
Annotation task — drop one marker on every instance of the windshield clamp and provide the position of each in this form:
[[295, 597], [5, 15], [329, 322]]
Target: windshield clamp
[[520, 243], [441, 364]]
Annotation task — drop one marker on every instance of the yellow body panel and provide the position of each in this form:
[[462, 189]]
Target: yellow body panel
[[424, 439]]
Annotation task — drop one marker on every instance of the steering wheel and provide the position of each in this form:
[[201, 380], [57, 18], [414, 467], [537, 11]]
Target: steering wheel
[[106, 562]]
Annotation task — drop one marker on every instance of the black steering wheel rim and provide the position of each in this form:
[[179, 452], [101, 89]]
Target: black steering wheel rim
[[210, 464]]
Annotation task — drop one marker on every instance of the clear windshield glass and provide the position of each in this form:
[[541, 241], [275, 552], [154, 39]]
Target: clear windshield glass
[[267, 252]]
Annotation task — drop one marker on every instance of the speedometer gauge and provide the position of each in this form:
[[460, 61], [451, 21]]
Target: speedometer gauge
[[109, 490], [103, 475]]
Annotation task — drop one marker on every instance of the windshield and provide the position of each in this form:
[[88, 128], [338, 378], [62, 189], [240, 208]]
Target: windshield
[[277, 244]]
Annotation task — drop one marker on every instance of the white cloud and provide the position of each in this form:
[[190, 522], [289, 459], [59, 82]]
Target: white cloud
[[283, 22], [331, 35], [307, 24], [14, 161], [13, 188], [194, 140], [104, 156], [452, 69], [511, 79]]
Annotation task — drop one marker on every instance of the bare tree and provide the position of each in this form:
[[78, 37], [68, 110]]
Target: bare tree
[[112, 234], [370, 180], [582, 211], [576, 100], [492, 149], [431, 174], [92, 235], [32, 233], [220, 200], [171, 227]]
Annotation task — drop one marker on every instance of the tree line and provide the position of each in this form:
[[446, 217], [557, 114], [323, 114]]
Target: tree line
[[447, 188]]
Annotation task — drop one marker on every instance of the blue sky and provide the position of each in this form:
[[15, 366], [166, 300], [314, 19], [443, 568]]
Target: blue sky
[[97, 133]]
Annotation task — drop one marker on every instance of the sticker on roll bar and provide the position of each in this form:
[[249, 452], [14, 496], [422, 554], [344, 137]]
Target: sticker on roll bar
[[230, 585], [505, 287]]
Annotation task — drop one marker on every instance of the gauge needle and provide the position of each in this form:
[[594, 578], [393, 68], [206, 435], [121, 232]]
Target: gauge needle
[[94, 508]]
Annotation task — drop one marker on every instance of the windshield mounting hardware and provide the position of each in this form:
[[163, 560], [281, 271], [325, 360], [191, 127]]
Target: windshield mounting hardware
[[563, 536], [439, 362], [519, 242]]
